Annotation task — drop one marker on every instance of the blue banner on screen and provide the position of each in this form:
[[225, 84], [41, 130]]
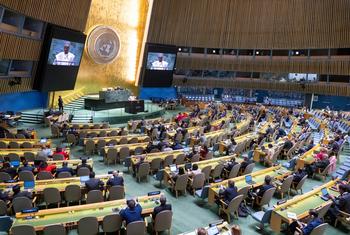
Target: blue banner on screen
[[65, 53], [160, 61]]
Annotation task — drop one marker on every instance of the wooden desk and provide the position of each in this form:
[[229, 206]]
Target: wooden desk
[[224, 229], [34, 142], [300, 205], [258, 153], [148, 157], [239, 139], [81, 125], [69, 216], [59, 183], [97, 131], [307, 158], [20, 152], [141, 138], [276, 172], [131, 147], [212, 134], [201, 164]]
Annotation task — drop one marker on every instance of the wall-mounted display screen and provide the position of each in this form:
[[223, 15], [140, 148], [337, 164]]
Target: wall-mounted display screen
[[158, 65], [60, 59], [65, 53], [160, 61]]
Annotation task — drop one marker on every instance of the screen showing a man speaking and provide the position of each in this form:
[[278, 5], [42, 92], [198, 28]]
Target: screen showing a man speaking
[[65, 53], [160, 61], [60, 59]]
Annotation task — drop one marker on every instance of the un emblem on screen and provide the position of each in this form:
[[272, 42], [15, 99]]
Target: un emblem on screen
[[103, 44]]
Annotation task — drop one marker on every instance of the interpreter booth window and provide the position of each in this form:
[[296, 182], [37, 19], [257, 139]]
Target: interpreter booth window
[[11, 22], [319, 54], [196, 73], [245, 53], [21, 68], [211, 73], [197, 50], [243, 74], [298, 53], [339, 78], [262, 53], [340, 52], [226, 74], [280, 54], [229, 52], [213, 51], [184, 50], [4, 67], [32, 28]]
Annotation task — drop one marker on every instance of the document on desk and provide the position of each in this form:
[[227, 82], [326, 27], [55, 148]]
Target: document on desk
[[292, 215]]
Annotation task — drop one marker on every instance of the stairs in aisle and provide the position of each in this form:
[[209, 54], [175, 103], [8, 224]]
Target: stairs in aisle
[[345, 166], [74, 105], [32, 117]]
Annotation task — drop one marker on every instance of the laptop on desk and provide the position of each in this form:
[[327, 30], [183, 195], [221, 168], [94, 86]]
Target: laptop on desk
[[249, 179], [324, 194], [29, 185], [173, 168]]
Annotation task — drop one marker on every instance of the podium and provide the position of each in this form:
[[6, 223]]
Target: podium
[[135, 107]]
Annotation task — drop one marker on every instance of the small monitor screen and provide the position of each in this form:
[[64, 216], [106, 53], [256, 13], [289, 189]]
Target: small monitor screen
[[15, 163], [188, 166], [29, 184], [160, 61], [153, 193], [65, 53], [248, 178], [173, 168], [83, 179], [43, 140], [213, 230], [324, 192]]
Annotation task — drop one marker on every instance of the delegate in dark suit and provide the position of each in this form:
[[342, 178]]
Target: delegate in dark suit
[[115, 181], [93, 183], [162, 207], [65, 168], [229, 193]]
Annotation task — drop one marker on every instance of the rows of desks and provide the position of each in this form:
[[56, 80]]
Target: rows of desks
[[59, 183], [69, 216], [201, 164], [20, 152], [148, 157], [276, 172], [140, 138], [34, 142], [308, 157], [300, 205]]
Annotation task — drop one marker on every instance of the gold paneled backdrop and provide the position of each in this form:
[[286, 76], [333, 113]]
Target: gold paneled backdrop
[[128, 18]]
